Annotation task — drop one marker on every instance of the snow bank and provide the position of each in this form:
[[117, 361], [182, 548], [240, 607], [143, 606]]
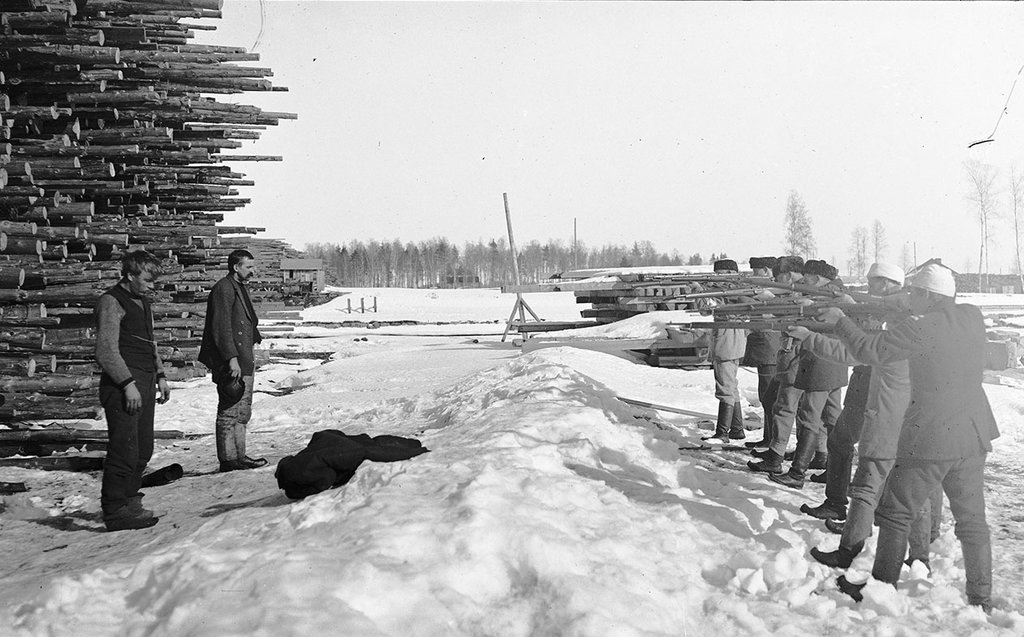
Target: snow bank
[[546, 506]]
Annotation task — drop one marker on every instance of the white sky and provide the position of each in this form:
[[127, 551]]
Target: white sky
[[683, 123]]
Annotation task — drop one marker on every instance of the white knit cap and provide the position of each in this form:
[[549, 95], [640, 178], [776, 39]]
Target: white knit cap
[[886, 271], [935, 278]]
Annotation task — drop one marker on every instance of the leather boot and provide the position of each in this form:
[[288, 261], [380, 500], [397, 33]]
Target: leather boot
[[794, 478], [842, 557], [819, 461], [835, 526], [824, 511], [124, 519], [722, 426], [851, 589], [772, 463], [736, 431]]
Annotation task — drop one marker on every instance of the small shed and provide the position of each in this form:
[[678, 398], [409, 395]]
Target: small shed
[[304, 271]]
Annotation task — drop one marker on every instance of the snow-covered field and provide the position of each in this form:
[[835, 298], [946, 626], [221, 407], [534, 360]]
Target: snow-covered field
[[545, 507]]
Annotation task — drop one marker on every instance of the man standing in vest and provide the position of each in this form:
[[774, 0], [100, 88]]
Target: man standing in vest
[[947, 429], [227, 349], [132, 373]]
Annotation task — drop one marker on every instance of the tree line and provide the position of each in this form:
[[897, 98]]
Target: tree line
[[439, 262]]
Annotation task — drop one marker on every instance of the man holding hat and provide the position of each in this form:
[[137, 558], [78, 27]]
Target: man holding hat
[[229, 336], [947, 430]]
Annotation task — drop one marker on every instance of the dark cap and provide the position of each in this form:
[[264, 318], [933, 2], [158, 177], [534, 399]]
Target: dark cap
[[726, 265], [767, 263], [820, 268], [790, 263]]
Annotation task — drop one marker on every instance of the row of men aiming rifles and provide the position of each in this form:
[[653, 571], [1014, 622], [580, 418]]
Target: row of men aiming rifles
[[914, 415]]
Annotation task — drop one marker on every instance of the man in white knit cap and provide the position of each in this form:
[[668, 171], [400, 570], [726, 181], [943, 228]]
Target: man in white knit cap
[[947, 430]]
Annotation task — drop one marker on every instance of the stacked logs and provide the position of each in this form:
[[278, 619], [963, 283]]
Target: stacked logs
[[109, 142]]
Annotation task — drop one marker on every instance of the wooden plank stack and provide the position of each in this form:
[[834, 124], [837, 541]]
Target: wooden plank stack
[[110, 142], [618, 293]]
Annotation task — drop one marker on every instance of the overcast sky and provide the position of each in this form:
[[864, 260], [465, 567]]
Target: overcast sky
[[687, 124]]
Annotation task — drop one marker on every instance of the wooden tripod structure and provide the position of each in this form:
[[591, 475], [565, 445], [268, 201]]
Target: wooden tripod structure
[[521, 307]]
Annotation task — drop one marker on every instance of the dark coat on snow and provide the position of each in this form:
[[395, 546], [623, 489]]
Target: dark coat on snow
[[331, 458]]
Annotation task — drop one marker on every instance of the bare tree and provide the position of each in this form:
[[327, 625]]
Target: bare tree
[[858, 252], [799, 234], [982, 179], [907, 258], [879, 243], [1017, 204]]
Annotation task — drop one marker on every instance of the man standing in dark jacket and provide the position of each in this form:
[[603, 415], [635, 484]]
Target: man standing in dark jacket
[[822, 382], [762, 353], [227, 349], [947, 430]]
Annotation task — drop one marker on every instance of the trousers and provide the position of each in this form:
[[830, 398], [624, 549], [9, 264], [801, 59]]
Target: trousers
[[866, 488], [230, 426], [129, 441], [910, 484]]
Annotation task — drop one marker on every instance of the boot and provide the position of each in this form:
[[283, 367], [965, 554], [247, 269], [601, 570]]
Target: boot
[[853, 590], [794, 479], [136, 509], [819, 461], [839, 558], [124, 520], [761, 453], [819, 478], [253, 463], [788, 479], [824, 511], [757, 444], [771, 464], [722, 426], [736, 431], [835, 526]]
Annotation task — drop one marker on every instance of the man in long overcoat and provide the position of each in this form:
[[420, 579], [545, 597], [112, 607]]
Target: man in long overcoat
[[947, 430], [227, 349]]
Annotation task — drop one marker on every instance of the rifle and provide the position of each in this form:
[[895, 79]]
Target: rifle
[[809, 290], [877, 310], [715, 294], [762, 325]]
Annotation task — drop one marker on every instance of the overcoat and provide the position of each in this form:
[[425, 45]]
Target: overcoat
[[949, 416], [887, 400], [230, 329]]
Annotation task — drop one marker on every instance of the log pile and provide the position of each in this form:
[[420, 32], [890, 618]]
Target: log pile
[[109, 142]]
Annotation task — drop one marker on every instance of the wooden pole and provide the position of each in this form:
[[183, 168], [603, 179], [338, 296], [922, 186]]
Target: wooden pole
[[520, 304]]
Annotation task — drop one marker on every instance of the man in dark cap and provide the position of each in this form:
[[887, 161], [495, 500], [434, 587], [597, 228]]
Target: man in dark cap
[[786, 396], [821, 382], [727, 347], [762, 353]]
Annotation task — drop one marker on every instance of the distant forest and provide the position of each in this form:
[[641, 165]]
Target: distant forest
[[440, 263]]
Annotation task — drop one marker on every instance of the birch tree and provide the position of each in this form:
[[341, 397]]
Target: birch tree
[[799, 233], [879, 244], [857, 264], [982, 195], [1017, 207]]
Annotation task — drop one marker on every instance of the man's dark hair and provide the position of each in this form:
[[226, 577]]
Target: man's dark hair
[[236, 257], [137, 261]]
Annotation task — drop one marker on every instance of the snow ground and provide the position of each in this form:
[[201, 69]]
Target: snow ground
[[546, 507]]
